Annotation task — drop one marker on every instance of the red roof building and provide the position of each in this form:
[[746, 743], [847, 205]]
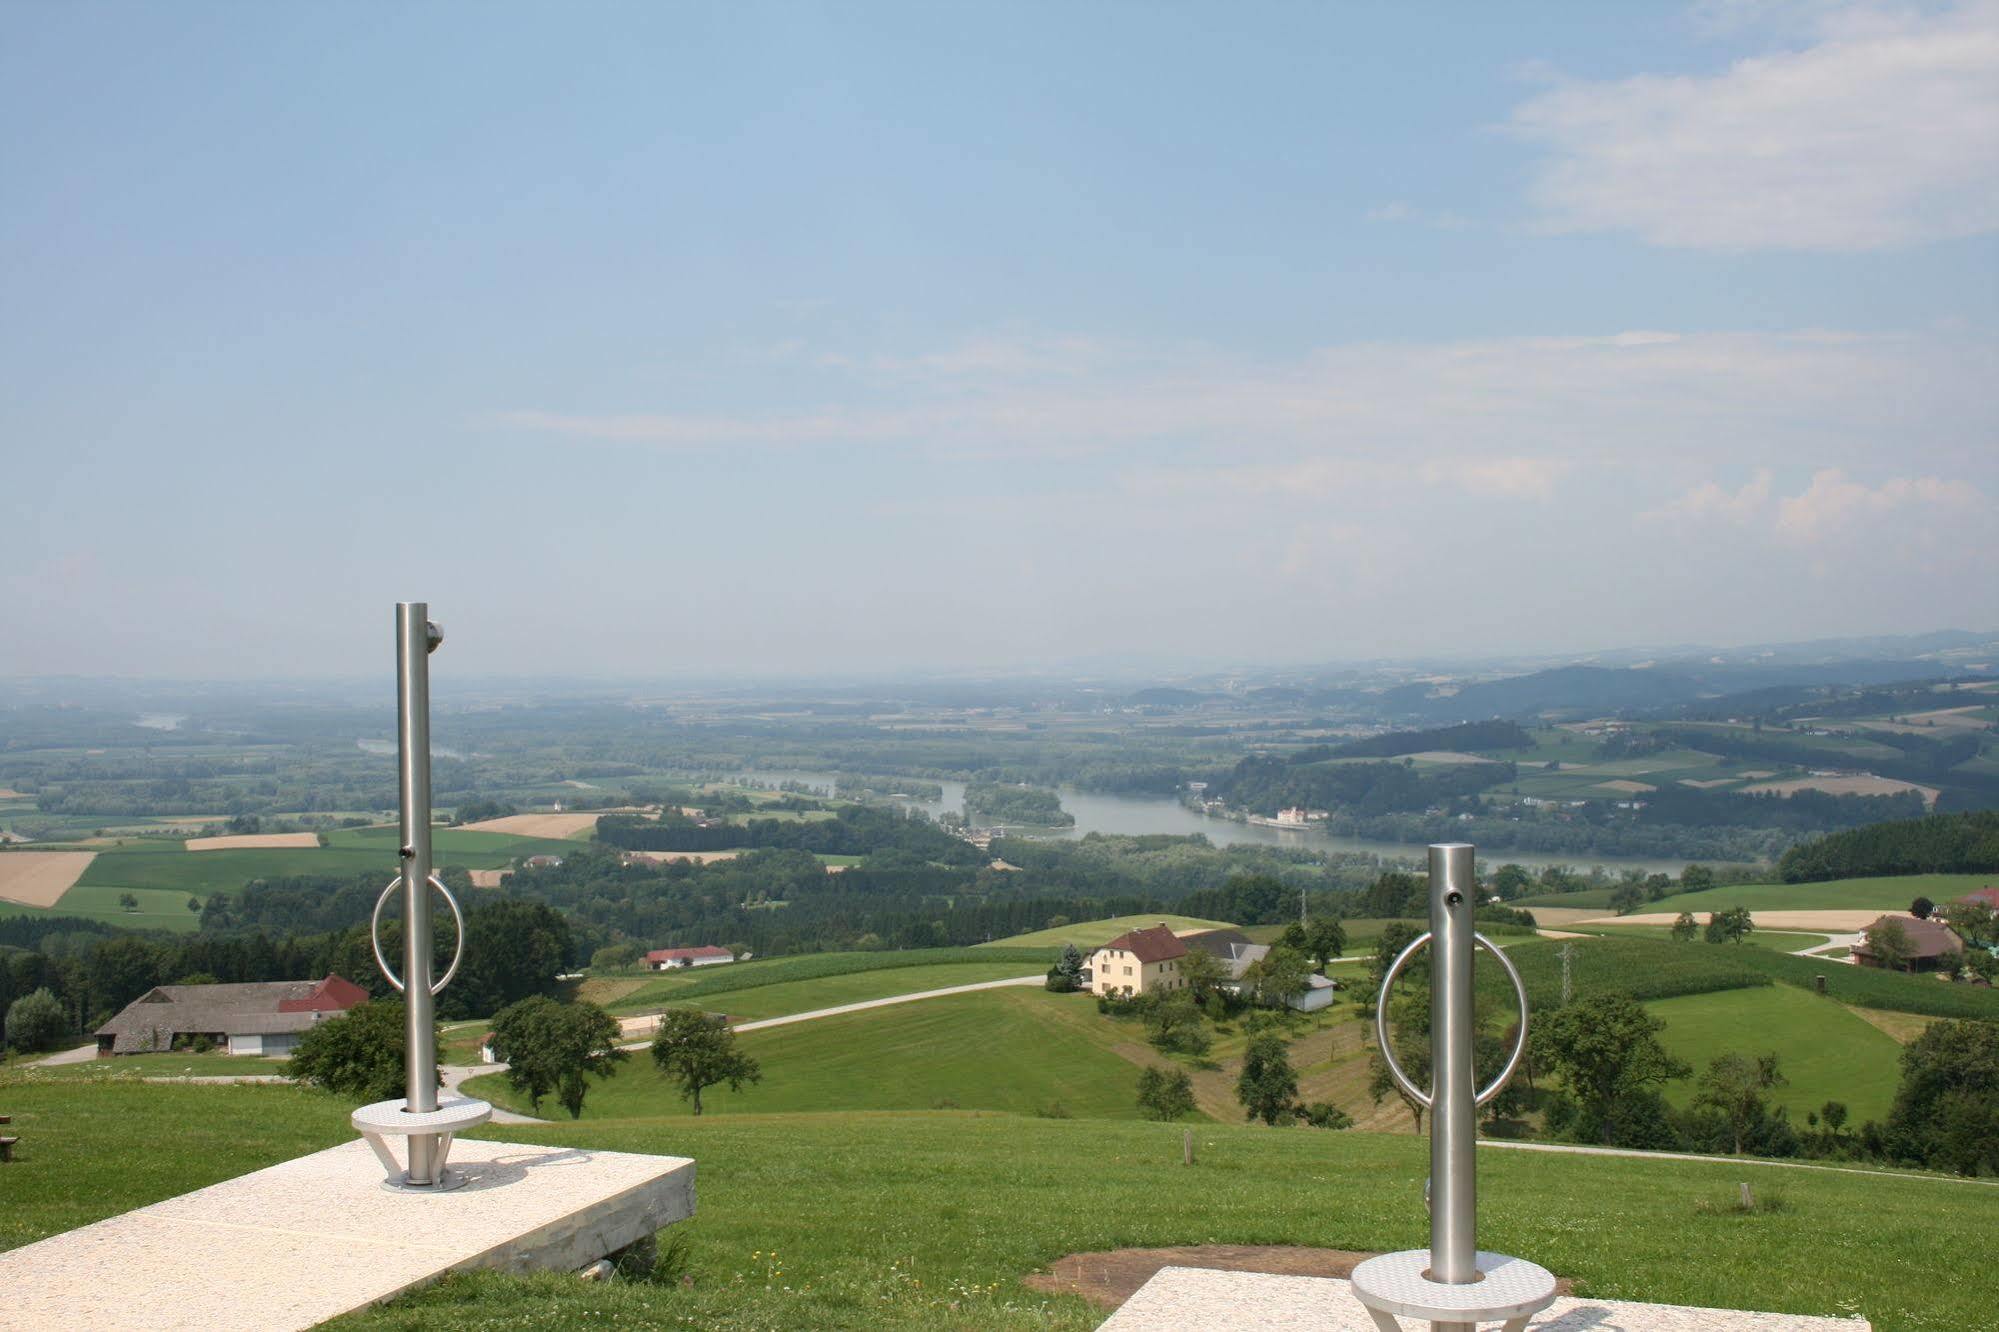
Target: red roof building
[[1989, 895], [672, 959], [1138, 962]]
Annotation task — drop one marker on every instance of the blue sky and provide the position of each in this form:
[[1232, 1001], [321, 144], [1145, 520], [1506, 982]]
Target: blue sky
[[796, 339]]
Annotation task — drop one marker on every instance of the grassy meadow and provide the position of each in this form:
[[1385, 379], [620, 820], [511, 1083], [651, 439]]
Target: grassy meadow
[[1781, 941], [1825, 1051], [804, 996], [700, 984], [996, 1050], [1883, 894], [1089, 934], [930, 1219], [162, 874]]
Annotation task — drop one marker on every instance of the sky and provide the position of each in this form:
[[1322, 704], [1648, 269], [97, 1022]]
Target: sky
[[783, 339]]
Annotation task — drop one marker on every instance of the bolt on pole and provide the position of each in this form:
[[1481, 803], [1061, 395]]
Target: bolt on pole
[[416, 638]]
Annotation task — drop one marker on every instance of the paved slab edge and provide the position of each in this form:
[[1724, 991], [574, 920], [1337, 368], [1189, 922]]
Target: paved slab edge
[[1186, 1297]]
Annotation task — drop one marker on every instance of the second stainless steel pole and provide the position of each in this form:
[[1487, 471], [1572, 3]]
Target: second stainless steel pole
[[1453, 1116], [413, 644]]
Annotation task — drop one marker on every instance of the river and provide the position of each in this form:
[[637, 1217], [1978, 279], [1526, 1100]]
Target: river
[[1141, 815]]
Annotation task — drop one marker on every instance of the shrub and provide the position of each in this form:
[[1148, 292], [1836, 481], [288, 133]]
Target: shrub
[[36, 1022], [358, 1055]]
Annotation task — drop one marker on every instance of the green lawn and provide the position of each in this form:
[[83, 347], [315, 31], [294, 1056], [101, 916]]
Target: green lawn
[[1094, 933], [699, 984], [1884, 894], [804, 996], [89, 1150], [999, 1050], [1825, 1052], [132, 1067], [929, 1220]]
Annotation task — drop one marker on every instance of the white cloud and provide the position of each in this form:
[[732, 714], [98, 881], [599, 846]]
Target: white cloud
[[1709, 500], [1832, 508], [1833, 504], [1884, 132]]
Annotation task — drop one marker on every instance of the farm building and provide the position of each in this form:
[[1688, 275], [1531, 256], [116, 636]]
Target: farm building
[[1235, 952], [1932, 945], [1138, 962], [1988, 896], [258, 1018], [672, 959], [1231, 947]]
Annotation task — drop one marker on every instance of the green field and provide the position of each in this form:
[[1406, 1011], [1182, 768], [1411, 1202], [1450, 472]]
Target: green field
[[473, 848], [159, 908], [929, 1220], [999, 1050], [130, 1068], [804, 996], [1094, 933], [163, 874], [1649, 969], [1825, 1052], [1885, 894], [699, 985], [1781, 941]]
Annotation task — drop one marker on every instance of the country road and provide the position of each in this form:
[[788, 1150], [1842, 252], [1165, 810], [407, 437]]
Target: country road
[[1571, 1149], [633, 1026]]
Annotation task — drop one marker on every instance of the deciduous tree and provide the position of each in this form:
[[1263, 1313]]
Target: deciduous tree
[[698, 1051], [35, 1022], [1605, 1047], [555, 1047], [1889, 941], [1733, 1086], [1165, 1094], [1267, 1087]]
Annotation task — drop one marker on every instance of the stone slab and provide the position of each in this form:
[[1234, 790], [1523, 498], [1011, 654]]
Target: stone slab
[[1178, 1298], [313, 1238]]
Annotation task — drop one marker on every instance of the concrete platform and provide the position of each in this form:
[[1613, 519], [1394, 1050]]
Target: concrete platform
[[317, 1237], [1187, 1297]]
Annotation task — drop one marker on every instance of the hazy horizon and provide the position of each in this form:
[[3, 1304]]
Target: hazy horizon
[[651, 343]]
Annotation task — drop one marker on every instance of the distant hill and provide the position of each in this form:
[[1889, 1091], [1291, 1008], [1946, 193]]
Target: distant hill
[[1584, 691], [1468, 737]]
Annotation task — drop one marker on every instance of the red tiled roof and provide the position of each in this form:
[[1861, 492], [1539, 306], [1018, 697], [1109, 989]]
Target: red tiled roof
[[676, 954], [335, 994], [1988, 895], [1155, 943]]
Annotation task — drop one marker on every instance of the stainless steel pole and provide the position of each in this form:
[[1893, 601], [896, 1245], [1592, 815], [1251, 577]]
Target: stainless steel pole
[[414, 640], [1453, 1115]]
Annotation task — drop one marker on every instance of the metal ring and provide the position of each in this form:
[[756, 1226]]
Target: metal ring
[[375, 935], [1409, 1088]]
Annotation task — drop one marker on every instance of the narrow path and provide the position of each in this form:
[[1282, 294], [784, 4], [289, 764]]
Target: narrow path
[[454, 1074], [1846, 941], [816, 1013], [82, 1054], [1578, 1150]]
